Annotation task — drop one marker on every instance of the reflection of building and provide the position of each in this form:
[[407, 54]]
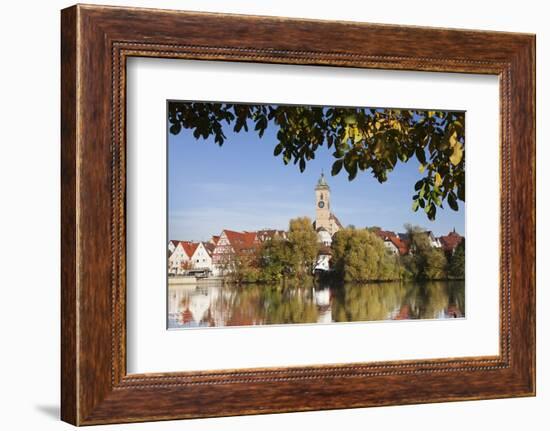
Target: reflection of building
[[323, 303], [191, 304]]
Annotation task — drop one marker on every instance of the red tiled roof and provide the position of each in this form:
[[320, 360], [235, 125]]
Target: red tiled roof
[[385, 233], [241, 241], [215, 239], [402, 245], [450, 241], [189, 247]]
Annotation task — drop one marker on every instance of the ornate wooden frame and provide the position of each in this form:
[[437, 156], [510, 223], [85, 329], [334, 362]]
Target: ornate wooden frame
[[95, 43]]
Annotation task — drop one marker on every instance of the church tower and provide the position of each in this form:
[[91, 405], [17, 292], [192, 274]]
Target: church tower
[[322, 205]]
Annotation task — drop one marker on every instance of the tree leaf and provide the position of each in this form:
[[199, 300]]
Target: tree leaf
[[437, 179], [278, 149], [451, 200], [337, 166], [175, 128], [352, 171], [421, 155], [456, 157]]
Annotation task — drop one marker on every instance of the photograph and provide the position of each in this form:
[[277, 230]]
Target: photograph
[[297, 214]]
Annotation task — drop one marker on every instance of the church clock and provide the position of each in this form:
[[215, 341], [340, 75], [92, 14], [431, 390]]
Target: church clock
[[321, 204]]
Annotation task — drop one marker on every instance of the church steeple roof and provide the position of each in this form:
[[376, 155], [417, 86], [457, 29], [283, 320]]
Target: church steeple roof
[[322, 183]]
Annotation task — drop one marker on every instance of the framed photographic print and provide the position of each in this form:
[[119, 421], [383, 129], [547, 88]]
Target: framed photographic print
[[326, 214]]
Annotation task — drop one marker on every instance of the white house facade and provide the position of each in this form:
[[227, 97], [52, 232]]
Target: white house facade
[[201, 258], [180, 257], [172, 244]]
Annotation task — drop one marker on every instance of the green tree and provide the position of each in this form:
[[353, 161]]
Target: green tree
[[424, 262], [360, 255], [363, 139], [436, 265], [275, 260], [457, 262], [245, 267], [415, 262], [304, 246]]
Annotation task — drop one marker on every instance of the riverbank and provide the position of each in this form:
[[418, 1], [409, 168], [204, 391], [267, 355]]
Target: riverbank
[[185, 280]]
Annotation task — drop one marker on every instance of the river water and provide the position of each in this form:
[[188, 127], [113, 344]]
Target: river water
[[212, 304]]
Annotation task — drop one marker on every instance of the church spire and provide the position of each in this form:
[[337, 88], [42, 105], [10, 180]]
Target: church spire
[[322, 183]]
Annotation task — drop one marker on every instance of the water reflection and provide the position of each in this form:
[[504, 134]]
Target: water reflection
[[213, 304]]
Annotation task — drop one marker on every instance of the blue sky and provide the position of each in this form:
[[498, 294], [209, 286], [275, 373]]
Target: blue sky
[[242, 186]]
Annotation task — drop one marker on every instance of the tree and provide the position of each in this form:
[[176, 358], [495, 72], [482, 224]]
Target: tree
[[457, 261], [436, 265], [424, 261], [244, 267], [304, 247], [360, 255], [415, 261], [275, 259], [363, 139]]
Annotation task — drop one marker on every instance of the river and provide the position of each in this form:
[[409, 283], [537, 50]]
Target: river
[[212, 304]]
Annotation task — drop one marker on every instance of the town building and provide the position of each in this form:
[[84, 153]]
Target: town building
[[230, 244], [393, 243], [180, 259], [432, 239], [450, 242], [264, 235], [217, 256], [323, 259], [202, 257], [172, 244], [326, 224]]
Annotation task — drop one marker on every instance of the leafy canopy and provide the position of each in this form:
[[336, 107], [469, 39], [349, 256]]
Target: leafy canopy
[[362, 139]]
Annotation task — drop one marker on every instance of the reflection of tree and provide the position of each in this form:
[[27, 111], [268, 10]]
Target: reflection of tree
[[363, 139], [366, 302], [258, 304], [289, 305], [428, 300], [457, 297]]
